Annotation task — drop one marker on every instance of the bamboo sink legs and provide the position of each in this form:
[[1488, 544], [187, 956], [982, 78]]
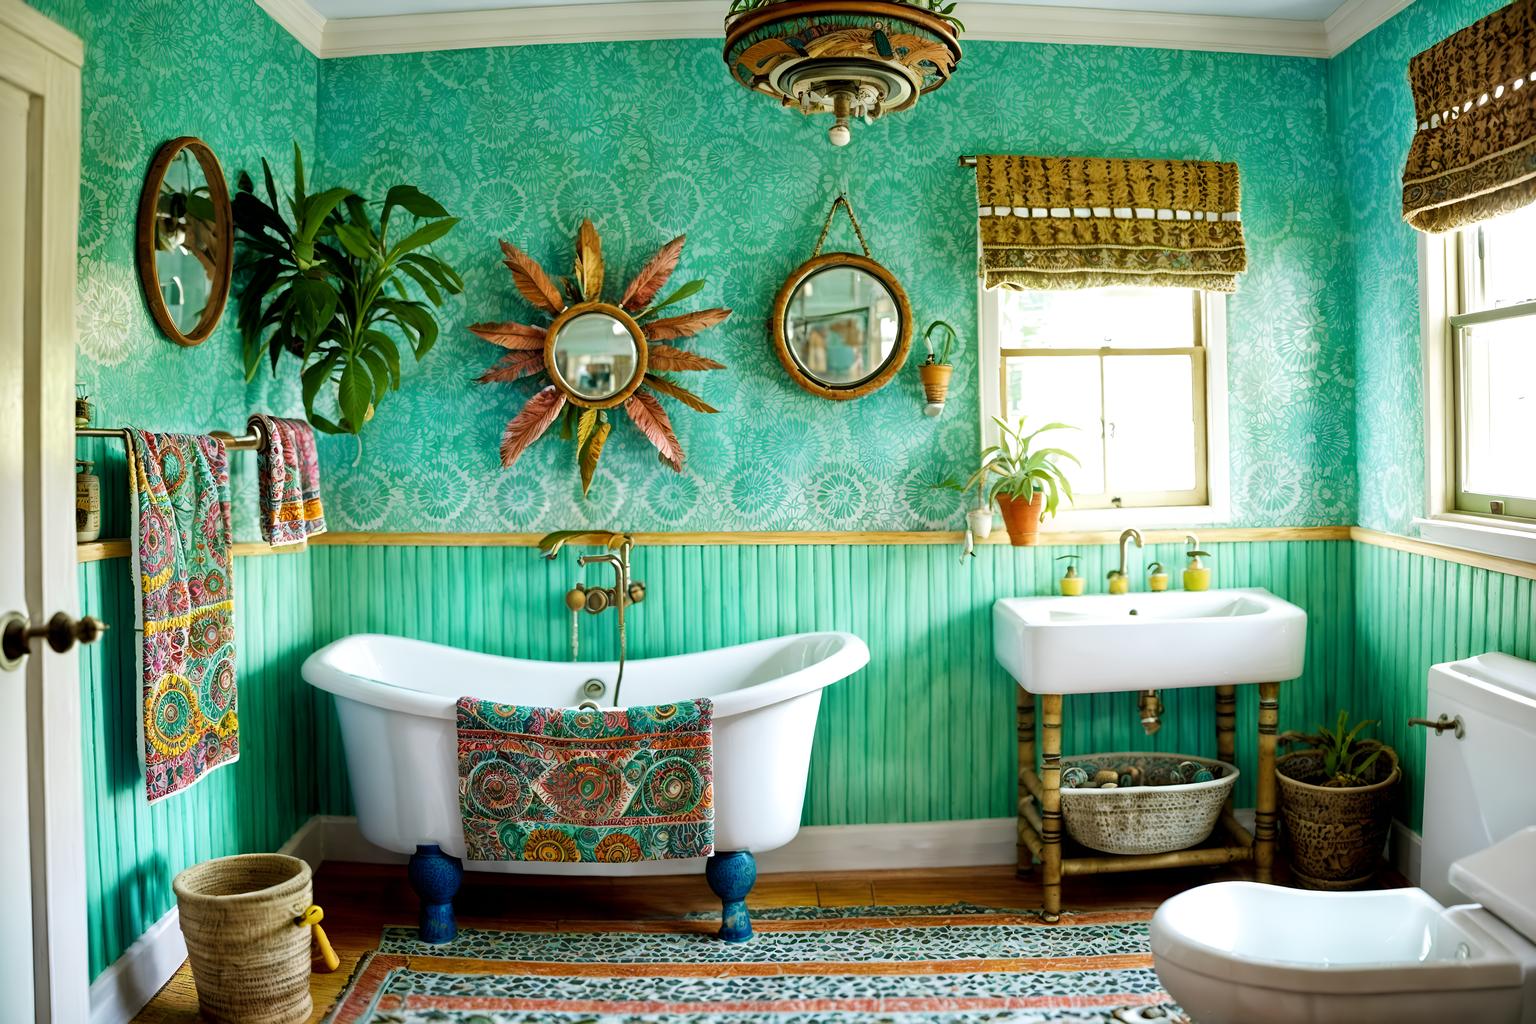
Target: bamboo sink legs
[[1040, 824]]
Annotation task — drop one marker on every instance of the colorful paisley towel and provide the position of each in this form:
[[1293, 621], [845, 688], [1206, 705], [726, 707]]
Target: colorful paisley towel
[[288, 479], [618, 784], [182, 579]]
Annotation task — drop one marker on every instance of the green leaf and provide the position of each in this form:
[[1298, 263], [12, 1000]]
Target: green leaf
[[356, 241], [354, 394], [318, 208], [413, 200], [298, 174], [688, 290], [315, 303], [315, 377], [441, 272], [266, 171], [424, 281], [379, 371], [424, 235]]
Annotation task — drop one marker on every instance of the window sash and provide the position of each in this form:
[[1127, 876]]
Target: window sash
[[1113, 497], [1469, 292], [1468, 500]]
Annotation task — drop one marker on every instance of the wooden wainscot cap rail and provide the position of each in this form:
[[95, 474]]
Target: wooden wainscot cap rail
[[93, 551]]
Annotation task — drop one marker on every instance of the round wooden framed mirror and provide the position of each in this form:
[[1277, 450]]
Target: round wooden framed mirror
[[595, 353], [842, 325], [185, 243]]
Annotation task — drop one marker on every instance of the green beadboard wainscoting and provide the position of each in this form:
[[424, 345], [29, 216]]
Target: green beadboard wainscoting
[[1412, 612], [925, 732], [133, 848]]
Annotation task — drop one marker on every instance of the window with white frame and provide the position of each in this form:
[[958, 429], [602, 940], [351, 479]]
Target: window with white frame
[[1491, 368], [1140, 372]]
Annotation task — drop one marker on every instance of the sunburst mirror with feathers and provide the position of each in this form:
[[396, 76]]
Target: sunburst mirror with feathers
[[596, 357]]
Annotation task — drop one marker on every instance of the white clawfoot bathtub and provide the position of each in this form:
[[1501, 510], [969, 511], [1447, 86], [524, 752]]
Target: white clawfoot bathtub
[[395, 699]]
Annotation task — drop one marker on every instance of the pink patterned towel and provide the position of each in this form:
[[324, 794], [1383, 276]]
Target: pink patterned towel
[[288, 477], [186, 619]]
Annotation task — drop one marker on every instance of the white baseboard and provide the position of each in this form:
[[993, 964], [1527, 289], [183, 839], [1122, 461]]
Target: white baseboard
[[927, 844], [1405, 851], [123, 989]]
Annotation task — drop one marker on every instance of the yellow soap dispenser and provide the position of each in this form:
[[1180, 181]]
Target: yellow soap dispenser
[[1157, 578], [1196, 575], [1070, 584]]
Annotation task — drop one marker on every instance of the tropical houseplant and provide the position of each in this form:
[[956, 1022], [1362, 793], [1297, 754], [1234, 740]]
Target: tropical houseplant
[[1336, 802], [328, 285], [1026, 483], [936, 369]]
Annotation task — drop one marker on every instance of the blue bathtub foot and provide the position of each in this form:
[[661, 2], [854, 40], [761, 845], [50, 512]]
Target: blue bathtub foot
[[435, 876], [731, 876]]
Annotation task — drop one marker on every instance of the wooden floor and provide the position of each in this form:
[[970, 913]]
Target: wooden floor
[[359, 899]]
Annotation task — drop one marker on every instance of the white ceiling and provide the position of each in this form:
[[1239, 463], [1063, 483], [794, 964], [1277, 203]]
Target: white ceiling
[[1291, 10]]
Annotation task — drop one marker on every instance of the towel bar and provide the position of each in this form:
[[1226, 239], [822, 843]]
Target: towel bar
[[252, 440]]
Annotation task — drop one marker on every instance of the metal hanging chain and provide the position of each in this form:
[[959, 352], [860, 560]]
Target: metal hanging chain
[[841, 200]]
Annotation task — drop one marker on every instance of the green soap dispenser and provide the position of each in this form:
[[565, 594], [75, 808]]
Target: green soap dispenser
[[1070, 584], [1197, 576]]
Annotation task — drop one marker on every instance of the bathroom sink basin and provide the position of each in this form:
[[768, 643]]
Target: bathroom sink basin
[[1104, 643]]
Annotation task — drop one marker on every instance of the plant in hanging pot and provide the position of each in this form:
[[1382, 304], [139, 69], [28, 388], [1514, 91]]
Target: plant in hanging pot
[[1336, 803], [1026, 483], [329, 286], [936, 369]]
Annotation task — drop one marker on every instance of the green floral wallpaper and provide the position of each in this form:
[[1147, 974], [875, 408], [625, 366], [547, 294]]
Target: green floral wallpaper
[[156, 69], [652, 138], [1371, 110]]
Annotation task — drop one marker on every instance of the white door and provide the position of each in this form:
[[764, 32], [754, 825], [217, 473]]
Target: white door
[[16, 1001], [43, 964]]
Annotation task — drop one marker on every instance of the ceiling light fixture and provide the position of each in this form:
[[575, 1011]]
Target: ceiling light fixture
[[849, 58]]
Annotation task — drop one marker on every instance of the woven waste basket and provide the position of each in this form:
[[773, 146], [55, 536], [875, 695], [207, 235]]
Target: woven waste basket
[[248, 921]]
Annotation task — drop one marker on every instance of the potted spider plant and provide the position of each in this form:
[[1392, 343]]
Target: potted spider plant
[[1026, 483], [1336, 802], [936, 369]]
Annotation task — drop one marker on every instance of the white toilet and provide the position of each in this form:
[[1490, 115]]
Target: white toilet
[[1245, 953]]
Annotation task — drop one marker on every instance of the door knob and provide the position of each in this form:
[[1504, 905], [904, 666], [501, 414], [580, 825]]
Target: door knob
[[61, 632]]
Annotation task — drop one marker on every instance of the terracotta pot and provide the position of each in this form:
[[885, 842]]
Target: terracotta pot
[[935, 380], [1335, 834], [1022, 518]]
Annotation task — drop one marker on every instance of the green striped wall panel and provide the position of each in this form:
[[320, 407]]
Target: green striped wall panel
[[1414, 612], [924, 733], [133, 849]]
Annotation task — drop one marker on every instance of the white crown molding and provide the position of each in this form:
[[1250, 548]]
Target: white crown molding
[[1355, 18], [690, 19], [1016, 23], [524, 26], [302, 21]]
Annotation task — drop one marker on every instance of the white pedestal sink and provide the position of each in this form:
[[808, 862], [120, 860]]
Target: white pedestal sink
[[1106, 644]]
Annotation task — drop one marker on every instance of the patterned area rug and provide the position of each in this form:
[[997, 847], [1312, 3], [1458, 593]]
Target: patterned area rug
[[858, 965]]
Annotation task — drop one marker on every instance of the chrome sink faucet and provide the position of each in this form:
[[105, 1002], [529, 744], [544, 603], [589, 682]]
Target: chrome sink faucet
[[1126, 538]]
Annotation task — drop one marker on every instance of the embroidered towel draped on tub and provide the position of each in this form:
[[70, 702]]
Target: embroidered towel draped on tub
[[185, 608], [288, 478], [569, 784]]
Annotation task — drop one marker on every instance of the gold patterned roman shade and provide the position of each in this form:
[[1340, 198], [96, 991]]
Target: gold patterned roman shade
[[1079, 222], [1474, 154]]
